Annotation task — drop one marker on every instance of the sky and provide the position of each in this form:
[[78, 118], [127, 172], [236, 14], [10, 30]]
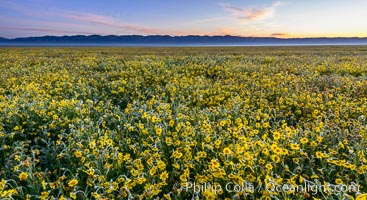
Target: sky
[[250, 18]]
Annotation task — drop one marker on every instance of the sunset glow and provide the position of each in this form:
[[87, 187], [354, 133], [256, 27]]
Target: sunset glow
[[263, 18]]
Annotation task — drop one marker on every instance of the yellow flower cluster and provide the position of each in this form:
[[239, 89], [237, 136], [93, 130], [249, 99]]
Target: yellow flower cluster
[[183, 123]]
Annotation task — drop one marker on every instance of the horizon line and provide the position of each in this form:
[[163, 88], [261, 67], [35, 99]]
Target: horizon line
[[198, 35]]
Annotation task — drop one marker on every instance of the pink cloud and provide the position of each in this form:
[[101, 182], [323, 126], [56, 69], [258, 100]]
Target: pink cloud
[[45, 30], [109, 21], [91, 23], [77, 17], [250, 13]]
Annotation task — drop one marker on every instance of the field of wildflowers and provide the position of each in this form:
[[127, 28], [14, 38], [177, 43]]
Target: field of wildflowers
[[183, 123]]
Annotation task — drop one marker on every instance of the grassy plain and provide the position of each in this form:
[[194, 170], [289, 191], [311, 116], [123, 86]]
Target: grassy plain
[[182, 123]]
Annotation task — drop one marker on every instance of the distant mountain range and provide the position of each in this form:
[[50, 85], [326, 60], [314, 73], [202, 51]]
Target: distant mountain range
[[157, 40]]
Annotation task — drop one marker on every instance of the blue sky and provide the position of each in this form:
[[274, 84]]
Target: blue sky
[[279, 18]]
